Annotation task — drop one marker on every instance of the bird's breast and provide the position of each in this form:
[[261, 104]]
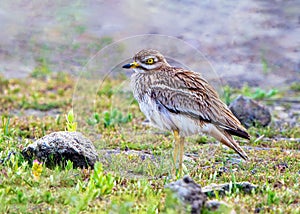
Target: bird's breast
[[155, 112], [140, 84]]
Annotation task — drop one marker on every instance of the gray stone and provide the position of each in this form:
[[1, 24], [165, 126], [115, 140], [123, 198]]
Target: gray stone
[[59, 147], [189, 192], [250, 112], [245, 187]]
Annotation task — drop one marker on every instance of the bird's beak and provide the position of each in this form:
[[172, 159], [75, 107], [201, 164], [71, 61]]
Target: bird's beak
[[131, 65]]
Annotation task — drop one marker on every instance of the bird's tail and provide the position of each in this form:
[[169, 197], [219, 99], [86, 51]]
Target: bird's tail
[[225, 138]]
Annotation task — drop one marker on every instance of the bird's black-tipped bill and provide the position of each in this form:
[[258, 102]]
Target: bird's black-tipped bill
[[130, 65], [127, 66]]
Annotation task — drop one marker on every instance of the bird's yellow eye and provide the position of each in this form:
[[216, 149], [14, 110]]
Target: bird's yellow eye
[[150, 61]]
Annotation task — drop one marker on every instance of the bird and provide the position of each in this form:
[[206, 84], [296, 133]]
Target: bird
[[183, 102]]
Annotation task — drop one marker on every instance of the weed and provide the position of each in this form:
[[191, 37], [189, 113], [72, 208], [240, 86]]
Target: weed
[[5, 125], [69, 165], [37, 169], [100, 184], [202, 139], [258, 93], [107, 89], [42, 70], [272, 197], [295, 86], [110, 118], [115, 117], [71, 125], [265, 65], [103, 182], [62, 77], [95, 119]]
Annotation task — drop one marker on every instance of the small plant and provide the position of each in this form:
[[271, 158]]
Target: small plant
[[69, 165], [261, 94], [265, 65], [272, 197], [42, 70], [62, 77], [4, 83], [106, 90], [95, 119], [258, 93], [110, 118], [295, 86], [202, 139], [5, 125], [37, 168], [103, 182], [100, 184], [114, 117], [71, 124]]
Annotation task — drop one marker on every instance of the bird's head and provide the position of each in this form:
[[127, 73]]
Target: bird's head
[[147, 60]]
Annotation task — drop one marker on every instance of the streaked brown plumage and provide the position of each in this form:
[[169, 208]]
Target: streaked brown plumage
[[182, 101]]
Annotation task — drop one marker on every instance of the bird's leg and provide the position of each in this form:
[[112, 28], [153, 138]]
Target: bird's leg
[[175, 154], [181, 152]]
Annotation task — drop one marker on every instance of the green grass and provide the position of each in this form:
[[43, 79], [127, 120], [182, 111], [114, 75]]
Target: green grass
[[131, 179]]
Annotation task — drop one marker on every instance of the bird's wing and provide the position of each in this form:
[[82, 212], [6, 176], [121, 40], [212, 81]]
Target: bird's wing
[[188, 93]]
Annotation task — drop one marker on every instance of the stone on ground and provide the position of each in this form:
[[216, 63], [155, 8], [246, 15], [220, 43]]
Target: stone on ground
[[221, 189], [59, 147], [189, 193], [250, 112]]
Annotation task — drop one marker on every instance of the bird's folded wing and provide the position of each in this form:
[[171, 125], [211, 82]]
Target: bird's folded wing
[[192, 96]]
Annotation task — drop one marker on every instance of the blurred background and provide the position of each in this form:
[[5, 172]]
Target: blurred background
[[251, 41]]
